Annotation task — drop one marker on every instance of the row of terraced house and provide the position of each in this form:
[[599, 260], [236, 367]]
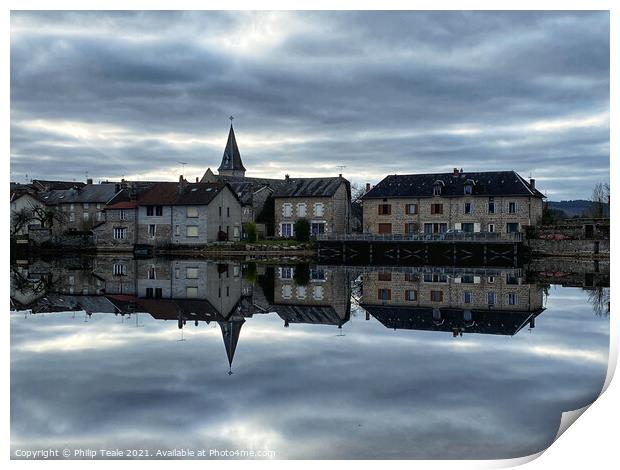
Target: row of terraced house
[[121, 215]]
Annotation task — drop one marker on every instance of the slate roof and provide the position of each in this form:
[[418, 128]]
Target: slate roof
[[48, 185], [167, 194], [496, 322], [313, 314], [91, 193], [489, 183], [309, 187], [231, 160]]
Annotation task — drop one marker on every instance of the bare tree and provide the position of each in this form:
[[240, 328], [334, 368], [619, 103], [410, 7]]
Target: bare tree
[[600, 198], [357, 191], [47, 216], [20, 219]]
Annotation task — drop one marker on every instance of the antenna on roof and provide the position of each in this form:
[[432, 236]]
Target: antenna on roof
[[182, 167], [341, 167]]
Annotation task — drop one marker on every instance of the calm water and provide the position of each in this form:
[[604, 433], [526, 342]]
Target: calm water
[[302, 361]]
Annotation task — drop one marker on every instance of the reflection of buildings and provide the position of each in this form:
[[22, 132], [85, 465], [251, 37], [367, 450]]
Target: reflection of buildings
[[498, 302], [315, 296]]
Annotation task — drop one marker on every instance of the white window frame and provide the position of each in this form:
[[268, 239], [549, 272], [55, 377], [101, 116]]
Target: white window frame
[[491, 298], [119, 233], [152, 233], [287, 291], [191, 272], [512, 298], [191, 212], [119, 269], [122, 214], [516, 207], [287, 272], [301, 209], [287, 209], [491, 228], [191, 292], [292, 230], [318, 292], [191, 235], [319, 209]]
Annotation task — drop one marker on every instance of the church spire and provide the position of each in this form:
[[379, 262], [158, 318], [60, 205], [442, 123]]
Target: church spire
[[231, 160], [230, 334]]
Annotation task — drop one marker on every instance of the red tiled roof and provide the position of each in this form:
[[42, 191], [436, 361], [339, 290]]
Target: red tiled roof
[[167, 194], [124, 205]]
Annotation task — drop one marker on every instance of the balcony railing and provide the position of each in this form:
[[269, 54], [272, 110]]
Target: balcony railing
[[425, 237]]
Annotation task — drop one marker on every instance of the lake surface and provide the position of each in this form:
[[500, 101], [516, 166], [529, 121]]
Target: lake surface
[[301, 361]]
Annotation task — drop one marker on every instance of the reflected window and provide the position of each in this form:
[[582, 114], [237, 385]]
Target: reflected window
[[151, 273], [287, 291], [318, 292], [148, 293], [301, 292], [286, 272], [491, 298], [191, 292], [384, 276], [436, 296], [384, 294], [192, 212], [411, 295], [512, 299], [158, 292], [317, 274], [467, 297], [191, 273], [119, 269]]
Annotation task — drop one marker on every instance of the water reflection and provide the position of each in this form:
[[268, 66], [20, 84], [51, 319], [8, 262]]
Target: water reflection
[[432, 356]]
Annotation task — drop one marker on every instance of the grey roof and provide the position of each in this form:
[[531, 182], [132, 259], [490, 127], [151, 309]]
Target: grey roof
[[91, 193], [490, 183], [314, 314], [309, 187], [231, 160]]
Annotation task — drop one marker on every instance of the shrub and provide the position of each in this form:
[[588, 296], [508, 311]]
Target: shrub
[[301, 275], [250, 232], [302, 230]]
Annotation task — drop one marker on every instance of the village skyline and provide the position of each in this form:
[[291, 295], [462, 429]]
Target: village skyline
[[101, 95]]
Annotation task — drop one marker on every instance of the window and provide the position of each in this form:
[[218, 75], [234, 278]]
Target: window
[[512, 207], [86, 216], [411, 295], [86, 205], [317, 274], [149, 293], [191, 292], [317, 228], [436, 208], [435, 277], [119, 269], [301, 292], [318, 209], [220, 210], [437, 190], [71, 280], [235, 232], [411, 209], [436, 296], [149, 210], [411, 277], [491, 228], [192, 212], [71, 217], [512, 299], [512, 227], [301, 209], [287, 291], [385, 228], [152, 230], [120, 233], [467, 227], [491, 279], [192, 230], [99, 205], [177, 230], [228, 212], [159, 211], [158, 292], [100, 215], [430, 228], [468, 207], [177, 273], [318, 293], [384, 209], [467, 297], [151, 273], [468, 188], [287, 209], [85, 291], [410, 227], [286, 272], [491, 206], [71, 207], [286, 230], [384, 276], [467, 279], [191, 273], [384, 294], [512, 280], [491, 298]]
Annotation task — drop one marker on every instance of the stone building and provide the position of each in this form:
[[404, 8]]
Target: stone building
[[258, 196], [495, 201], [324, 202]]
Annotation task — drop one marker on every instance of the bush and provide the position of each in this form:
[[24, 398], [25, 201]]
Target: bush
[[301, 275], [250, 232], [302, 230]]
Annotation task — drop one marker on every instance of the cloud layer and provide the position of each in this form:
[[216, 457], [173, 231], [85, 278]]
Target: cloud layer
[[133, 93]]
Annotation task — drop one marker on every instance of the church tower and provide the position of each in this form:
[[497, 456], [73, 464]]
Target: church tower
[[231, 161]]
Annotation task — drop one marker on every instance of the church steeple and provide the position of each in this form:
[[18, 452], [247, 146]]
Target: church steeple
[[231, 160], [230, 334]]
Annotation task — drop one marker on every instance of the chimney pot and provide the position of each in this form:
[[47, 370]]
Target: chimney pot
[[455, 172], [180, 178], [367, 187], [532, 183], [286, 177], [89, 181], [339, 175], [197, 179]]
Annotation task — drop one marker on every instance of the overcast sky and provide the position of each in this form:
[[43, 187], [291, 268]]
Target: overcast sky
[[132, 94]]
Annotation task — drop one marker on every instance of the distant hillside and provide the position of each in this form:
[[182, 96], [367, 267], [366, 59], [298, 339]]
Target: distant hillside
[[576, 208]]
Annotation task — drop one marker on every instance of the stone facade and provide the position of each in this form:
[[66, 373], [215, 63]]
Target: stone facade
[[118, 232], [80, 216], [442, 291], [333, 213], [521, 210]]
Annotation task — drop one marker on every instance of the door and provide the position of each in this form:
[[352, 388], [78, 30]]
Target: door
[[385, 228]]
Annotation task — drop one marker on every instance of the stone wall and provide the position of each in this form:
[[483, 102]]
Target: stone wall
[[528, 212], [116, 218], [569, 247]]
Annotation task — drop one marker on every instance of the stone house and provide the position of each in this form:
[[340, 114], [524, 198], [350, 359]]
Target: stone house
[[27, 201], [79, 208], [495, 201], [324, 202], [188, 214]]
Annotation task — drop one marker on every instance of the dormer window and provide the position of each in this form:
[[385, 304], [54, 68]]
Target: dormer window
[[469, 187], [437, 185]]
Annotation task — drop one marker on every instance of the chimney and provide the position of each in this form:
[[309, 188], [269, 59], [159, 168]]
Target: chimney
[[286, 177], [181, 184], [455, 172], [367, 187], [197, 180], [532, 183], [89, 181], [461, 171], [339, 175]]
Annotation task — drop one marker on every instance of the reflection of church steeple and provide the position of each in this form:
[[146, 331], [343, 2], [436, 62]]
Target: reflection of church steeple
[[230, 334], [231, 160]]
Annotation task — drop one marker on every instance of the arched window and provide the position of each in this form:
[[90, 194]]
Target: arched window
[[437, 185]]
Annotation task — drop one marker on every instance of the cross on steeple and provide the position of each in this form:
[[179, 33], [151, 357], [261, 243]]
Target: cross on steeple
[[231, 120]]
